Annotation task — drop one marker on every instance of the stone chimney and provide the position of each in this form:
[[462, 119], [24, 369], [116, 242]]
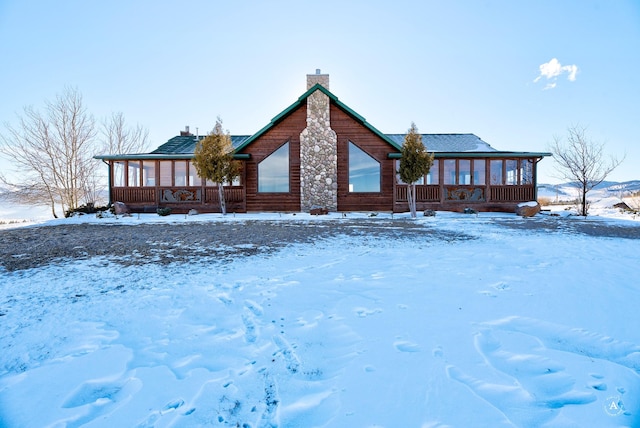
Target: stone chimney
[[320, 78], [318, 151]]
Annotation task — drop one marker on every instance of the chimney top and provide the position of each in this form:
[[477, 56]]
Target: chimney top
[[186, 132], [313, 79]]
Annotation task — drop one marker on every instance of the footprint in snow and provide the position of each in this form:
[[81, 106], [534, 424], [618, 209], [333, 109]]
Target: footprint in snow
[[365, 312], [541, 386], [255, 308], [250, 329], [288, 354], [405, 346]]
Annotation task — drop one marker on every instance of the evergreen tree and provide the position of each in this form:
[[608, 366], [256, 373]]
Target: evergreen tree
[[414, 164], [213, 159]]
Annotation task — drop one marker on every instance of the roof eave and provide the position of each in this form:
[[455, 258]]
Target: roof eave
[[467, 155], [157, 156], [494, 154]]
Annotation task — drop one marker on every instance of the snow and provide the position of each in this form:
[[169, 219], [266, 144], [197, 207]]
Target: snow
[[528, 204], [480, 325]]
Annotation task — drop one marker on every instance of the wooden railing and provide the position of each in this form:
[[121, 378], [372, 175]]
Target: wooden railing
[[147, 195], [512, 193], [134, 194], [231, 194], [431, 193], [424, 193]]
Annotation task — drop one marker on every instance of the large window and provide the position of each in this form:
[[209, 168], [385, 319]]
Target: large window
[[526, 171], [364, 171], [194, 178], [165, 173], [434, 173], [479, 172], [496, 172], [149, 173], [512, 171], [429, 179], [449, 171], [273, 171], [180, 173], [399, 180], [464, 171], [118, 173], [134, 173]]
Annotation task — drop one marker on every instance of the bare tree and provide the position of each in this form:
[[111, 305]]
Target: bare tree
[[119, 138], [115, 137], [52, 150], [582, 161]]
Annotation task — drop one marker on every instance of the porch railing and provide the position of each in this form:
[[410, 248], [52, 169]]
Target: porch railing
[[424, 193], [231, 194], [134, 194], [431, 193], [163, 195], [512, 193]]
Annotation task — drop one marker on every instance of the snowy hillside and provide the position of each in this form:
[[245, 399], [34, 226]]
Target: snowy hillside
[[485, 321], [609, 191]]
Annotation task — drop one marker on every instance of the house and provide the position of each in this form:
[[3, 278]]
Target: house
[[318, 152]]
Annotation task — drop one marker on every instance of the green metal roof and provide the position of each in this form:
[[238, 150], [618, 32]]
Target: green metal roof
[[442, 145], [178, 147]]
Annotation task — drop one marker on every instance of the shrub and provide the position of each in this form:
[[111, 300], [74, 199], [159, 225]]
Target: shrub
[[163, 211], [85, 209]]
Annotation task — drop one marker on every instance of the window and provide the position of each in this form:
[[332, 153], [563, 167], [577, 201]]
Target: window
[[526, 171], [399, 180], [165, 173], [479, 172], [496, 172], [432, 176], [512, 171], [194, 179], [464, 171], [134, 173], [273, 171], [149, 173], [118, 173], [235, 182], [449, 171], [180, 173], [364, 171]]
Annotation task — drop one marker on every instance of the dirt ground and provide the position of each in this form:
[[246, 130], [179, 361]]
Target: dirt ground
[[30, 247]]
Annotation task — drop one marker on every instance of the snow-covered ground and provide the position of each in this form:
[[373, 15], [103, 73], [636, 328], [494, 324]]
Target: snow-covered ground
[[512, 328]]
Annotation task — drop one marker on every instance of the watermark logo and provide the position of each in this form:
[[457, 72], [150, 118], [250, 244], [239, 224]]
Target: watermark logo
[[613, 406]]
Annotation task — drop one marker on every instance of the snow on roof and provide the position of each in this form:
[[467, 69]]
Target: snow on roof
[[449, 142]]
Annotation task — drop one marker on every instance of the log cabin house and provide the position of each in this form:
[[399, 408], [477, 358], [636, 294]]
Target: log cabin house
[[319, 153]]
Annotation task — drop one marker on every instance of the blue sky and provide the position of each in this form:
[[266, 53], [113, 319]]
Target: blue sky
[[515, 73]]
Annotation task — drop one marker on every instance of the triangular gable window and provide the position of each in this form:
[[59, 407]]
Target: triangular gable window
[[364, 171], [273, 171]]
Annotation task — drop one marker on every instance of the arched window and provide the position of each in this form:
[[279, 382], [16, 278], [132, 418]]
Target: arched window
[[364, 171], [273, 171]]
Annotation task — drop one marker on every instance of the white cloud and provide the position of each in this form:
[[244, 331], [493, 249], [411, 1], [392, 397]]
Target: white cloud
[[552, 69]]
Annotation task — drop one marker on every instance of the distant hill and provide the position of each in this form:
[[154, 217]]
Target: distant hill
[[607, 189]]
